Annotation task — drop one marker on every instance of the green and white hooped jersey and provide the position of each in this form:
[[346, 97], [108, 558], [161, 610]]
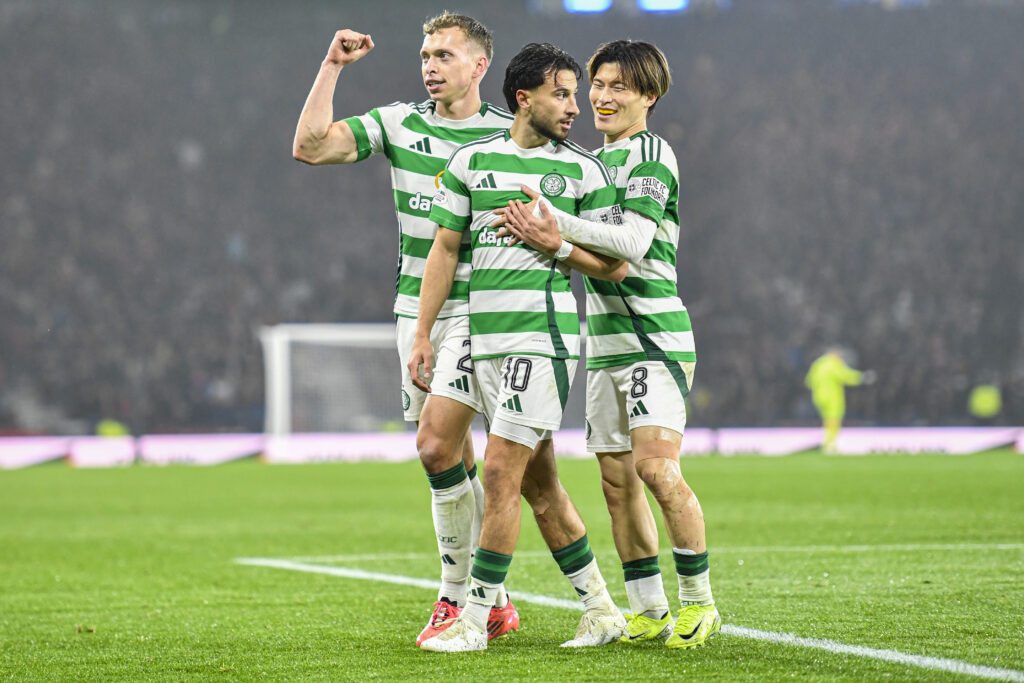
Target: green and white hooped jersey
[[642, 318], [417, 142], [520, 302]]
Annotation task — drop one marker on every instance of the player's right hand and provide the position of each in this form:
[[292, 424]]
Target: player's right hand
[[348, 46], [421, 363]]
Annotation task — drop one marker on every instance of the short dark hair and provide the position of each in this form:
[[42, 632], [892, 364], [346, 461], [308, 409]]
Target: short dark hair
[[531, 66], [643, 66], [473, 29]]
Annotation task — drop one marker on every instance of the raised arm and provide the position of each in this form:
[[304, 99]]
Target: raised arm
[[438, 275], [318, 138]]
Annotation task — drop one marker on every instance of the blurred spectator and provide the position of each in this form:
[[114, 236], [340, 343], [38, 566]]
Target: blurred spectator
[[848, 173]]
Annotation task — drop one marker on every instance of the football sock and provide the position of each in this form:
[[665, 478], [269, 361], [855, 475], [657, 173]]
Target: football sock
[[452, 506], [478, 502], [489, 572], [694, 575], [644, 588], [579, 565]]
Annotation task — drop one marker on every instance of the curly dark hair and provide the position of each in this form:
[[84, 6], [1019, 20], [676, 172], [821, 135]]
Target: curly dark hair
[[531, 65]]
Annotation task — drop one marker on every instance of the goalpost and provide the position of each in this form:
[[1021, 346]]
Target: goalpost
[[331, 378], [345, 377]]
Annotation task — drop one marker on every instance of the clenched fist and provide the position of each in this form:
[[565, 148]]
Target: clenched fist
[[348, 46]]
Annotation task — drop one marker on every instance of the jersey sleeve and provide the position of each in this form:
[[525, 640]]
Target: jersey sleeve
[[451, 207], [597, 200], [368, 131], [648, 189]]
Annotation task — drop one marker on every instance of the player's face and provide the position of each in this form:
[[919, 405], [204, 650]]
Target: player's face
[[619, 111], [448, 62], [553, 105]]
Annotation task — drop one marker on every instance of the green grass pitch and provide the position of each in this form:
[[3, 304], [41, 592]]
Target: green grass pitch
[[131, 574]]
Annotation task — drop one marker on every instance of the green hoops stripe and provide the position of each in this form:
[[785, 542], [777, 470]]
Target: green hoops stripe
[[561, 380], [574, 556], [641, 569], [362, 139], [690, 565], [448, 478], [680, 377], [490, 567], [556, 336]]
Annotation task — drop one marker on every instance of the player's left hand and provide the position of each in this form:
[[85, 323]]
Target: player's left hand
[[502, 221], [540, 231]]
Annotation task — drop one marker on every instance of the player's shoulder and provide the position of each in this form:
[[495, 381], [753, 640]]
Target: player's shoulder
[[481, 144], [396, 112], [586, 158], [493, 112], [652, 147]]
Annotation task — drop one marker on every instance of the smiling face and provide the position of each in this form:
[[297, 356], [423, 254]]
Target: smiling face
[[552, 105], [619, 111], [451, 66]]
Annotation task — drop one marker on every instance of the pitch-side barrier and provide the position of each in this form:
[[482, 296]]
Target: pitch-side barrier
[[213, 449]]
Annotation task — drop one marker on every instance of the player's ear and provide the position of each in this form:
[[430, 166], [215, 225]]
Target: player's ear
[[523, 99], [481, 67]]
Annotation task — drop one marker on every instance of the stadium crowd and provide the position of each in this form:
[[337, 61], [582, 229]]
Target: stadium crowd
[[851, 176]]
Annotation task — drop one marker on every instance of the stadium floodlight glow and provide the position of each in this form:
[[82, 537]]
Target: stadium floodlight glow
[[587, 6], [662, 5]]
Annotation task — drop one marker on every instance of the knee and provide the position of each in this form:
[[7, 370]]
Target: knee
[[663, 477], [436, 454]]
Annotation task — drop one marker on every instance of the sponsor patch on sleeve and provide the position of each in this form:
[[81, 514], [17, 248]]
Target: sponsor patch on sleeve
[[647, 187]]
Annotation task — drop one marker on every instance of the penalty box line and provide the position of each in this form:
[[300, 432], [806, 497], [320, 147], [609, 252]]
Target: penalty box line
[[894, 656]]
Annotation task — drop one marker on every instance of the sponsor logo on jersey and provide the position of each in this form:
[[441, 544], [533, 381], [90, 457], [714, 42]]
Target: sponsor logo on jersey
[[647, 187], [441, 197], [418, 202], [421, 145], [553, 184], [487, 183]]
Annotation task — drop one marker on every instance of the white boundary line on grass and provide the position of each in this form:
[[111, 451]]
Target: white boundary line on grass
[[890, 547], [894, 656]]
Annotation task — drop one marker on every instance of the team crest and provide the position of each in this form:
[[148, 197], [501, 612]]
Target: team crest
[[406, 401], [586, 434], [613, 171], [553, 184]]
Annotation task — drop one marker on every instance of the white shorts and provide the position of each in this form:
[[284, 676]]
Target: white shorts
[[646, 394], [524, 396], [453, 367]]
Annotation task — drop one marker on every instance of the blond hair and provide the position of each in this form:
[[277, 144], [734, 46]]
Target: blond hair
[[473, 30]]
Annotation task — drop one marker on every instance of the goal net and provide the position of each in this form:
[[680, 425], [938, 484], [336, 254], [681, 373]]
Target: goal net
[[344, 377], [331, 378]]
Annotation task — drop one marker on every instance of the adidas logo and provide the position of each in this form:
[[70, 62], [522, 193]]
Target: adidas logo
[[639, 410], [462, 384], [487, 183], [513, 404], [580, 592], [447, 559], [421, 145], [478, 592]]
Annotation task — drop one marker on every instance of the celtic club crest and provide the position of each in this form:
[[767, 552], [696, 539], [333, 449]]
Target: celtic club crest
[[553, 184]]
